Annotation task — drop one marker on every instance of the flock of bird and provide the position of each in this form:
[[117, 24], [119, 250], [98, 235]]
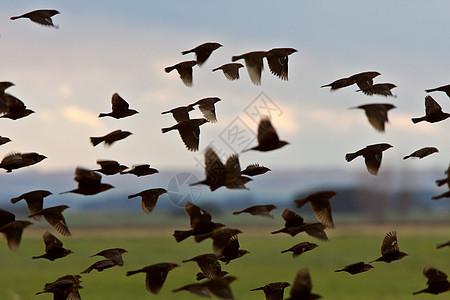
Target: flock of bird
[[225, 245]]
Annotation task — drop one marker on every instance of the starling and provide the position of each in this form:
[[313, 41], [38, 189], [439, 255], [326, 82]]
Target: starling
[[220, 238], [53, 248], [200, 222], [444, 88], [363, 80], [267, 137], [231, 70], [421, 153], [433, 112], [206, 106], [100, 266], [437, 282], [110, 138], [254, 64], [12, 231], [180, 114], [377, 114], [149, 198], [254, 169], [443, 195], [277, 59], [65, 287], [110, 167], [356, 268], [320, 204], [383, 89], [53, 216], [294, 224], [4, 140], [114, 254], [219, 287], [120, 108], [34, 200], [19, 160], [258, 210], [302, 286], [189, 132], [40, 16], [203, 51], [155, 275], [209, 266], [185, 70], [439, 246], [231, 250], [372, 156], [274, 290], [15, 108], [141, 170], [89, 183], [389, 249], [301, 248]]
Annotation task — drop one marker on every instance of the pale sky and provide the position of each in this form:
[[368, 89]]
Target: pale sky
[[68, 75]]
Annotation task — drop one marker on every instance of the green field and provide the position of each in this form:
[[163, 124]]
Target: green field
[[22, 277]]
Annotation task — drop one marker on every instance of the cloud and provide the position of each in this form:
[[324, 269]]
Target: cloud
[[78, 115]]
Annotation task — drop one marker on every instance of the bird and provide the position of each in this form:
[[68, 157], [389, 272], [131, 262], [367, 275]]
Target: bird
[[110, 167], [149, 198], [3, 86], [110, 138], [231, 250], [89, 183], [203, 51], [433, 112], [120, 108], [254, 63], [320, 204], [114, 254], [377, 114], [437, 282], [180, 113], [258, 210], [65, 287], [255, 169], [382, 89], [155, 275], [421, 153], [443, 195], [4, 140], [300, 248], [219, 287], [200, 222], [15, 108], [389, 249], [206, 106], [277, 59], [53, 248], [100, 266], [372, 156], [12, 231], [141, 170], [363, 80], [356, 268], [274, 290], [40, 16], [267, 137], [6, 217], [294, 224], [184, 69], [189, 132], [209, 266], [444, 88], [230, 70], [218, 174], [439, 246], [220, 238], [17, 160], [34, 200], [302, 286], [54, 217]]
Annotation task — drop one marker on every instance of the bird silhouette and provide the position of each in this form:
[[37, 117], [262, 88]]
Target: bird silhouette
[[356, 268], [12, 229], [219, 287], [254, 169], [209, 266], [203, 51], [40, 16], [141, 170], [444, 88], [155, 275], [389, 249], [382, 89], [4, 140], [114, 254], [267, 137], [320, 204], [65, 287], [277, 59], [184, 69], [433, 112], [17, 160], [302, 286], [189, 132], [100, 266], [437, 282], [110, 167], [439, 246], [220, 238], [363, 80], [15, 108], [53, 248], [254, 63], [372, 156], [206, 106], [258, 210], [180, 113], [294, 224], [120, 108], [110, 138], [423, 152], [377, 114], [443, 195], [54, 217], [274, 290], [149, 198], [89, 183], [231, 70], [34, 200], [301, 248]]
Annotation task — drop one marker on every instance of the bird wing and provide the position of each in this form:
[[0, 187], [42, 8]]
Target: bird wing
[[13, 232], [315, 230], [208, 111], [231, 71], [104, 164], [214, 168], [51, 242], [373, 162], [254, 64], [302, 286], [431, 105], [266, 132], [180, 114], [148, 201], [185, 75], [154, 280], [278, 65], [6, 217], [57, 221], [196, 214], [377, 116], [291, 218], [190, 134], [232, 169], [390, 243], [434, 275], [118, 103]]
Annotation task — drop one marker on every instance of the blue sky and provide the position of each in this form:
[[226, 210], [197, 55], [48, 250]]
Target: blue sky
[[68, 76]]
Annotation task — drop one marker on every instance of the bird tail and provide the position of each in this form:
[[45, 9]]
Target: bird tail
[[169, 69], [439, 182], [129, 273], [341, 270], [186, 52], [351, 156], [167, 129], [300, 202], [181, 235], [216, 69], [131, 196], [418, 292], [235, 58], [36, 257], [237, 212], [326, 85], [284, 251], [96, 140], [407, 156], [201, 237], [165, 112], [200, 276], [437, 197], [279, 231], [431, 90], [15, 18], [101, 115], [15, 200], [417, 120], [87, 271], [258, 289]]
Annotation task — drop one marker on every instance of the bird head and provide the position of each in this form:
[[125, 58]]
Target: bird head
[[385, 146], [216, 45], [218, 226], [242, 252], [289, 51], [402, 254]]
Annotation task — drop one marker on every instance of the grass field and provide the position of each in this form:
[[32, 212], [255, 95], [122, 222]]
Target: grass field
[[21, 277]]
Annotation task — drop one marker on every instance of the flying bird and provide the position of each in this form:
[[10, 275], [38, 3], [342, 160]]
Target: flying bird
[[180, 113], [301, 248], [254, 169], [372, 156], [254, 63], [444, 88], [377, 114], [231, 70], [219, 287], [4, 140], [34, 200], [267, 137], [149, 198], [155, 275], [53, 248], [294, 224], [209, 266], [65, 287], [382, 89], [100, 266], [184, 69], [220, 238], [110, 167], [12, 230], [89, 183], [120, 108], [443, 195], [433, 112], [277, 59], [206, 106], [363, 81], [274, 290], [258, 210], [320, 204], [17, 160], [189, 132], [54, 217], [302, 286], [231, 250], [356, 268], [15, 108], [389, 249], [114, 254], [439, 246], [40, 16], [203, 51], [110, 138], [437, 282], [141, 170], [421, 153]]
